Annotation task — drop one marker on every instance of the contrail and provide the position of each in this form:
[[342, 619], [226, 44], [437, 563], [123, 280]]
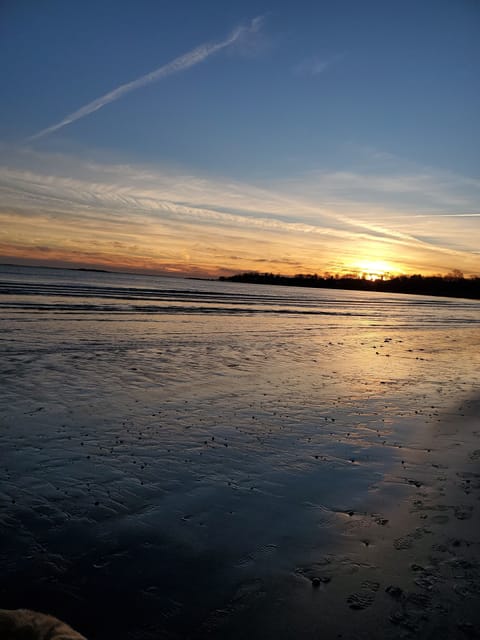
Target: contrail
[[187, 60]]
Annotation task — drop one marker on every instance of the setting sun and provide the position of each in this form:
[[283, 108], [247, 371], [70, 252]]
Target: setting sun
[[374, 269]]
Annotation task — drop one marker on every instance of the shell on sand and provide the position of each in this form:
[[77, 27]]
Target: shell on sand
[[23, 624]]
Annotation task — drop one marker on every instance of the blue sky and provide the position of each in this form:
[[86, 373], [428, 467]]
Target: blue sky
[[366, 112]]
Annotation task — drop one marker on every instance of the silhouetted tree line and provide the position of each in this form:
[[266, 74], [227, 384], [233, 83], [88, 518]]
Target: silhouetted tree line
[[452, 285]]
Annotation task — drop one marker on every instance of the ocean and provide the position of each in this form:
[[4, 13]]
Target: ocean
[[190, 458], [66, 290]]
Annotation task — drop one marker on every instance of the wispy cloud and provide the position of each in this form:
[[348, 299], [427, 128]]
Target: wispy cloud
[[155, 216], [315, 65], [183, 62]]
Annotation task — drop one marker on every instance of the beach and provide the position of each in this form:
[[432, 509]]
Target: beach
[[184, 459]]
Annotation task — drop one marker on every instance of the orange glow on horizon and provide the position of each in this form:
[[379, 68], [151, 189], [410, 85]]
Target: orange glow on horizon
[[61, 257], [375, 269], [123, 218]]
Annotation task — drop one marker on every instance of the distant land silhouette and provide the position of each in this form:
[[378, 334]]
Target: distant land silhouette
[[453, 285], [44, 266]]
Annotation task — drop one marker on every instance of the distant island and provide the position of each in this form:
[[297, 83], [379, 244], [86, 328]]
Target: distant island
[[453, 285], [45, 266]]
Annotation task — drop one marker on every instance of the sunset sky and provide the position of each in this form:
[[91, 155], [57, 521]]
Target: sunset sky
[[209, 138]]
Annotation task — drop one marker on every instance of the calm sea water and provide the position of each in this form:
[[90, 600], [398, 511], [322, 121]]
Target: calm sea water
[[106, 333], [189, 446], [26, 289]]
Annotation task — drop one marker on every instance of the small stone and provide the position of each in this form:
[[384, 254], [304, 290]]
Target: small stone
[[397, 617], [467, 628], [394, 591], [316, 582]]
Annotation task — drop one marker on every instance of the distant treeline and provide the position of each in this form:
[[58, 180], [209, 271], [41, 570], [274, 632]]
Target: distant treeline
[[453, 285]]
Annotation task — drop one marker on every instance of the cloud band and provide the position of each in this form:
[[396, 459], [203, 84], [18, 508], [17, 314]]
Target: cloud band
[[183, 62]]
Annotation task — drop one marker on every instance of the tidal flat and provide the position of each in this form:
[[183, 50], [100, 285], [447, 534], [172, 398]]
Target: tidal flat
[[187, 459]]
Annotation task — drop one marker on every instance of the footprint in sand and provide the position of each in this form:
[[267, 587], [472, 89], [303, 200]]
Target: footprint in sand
[[244, 597], [413, 612], [364, 598], [439, 519], [426, 581], [419, 600], [371, 585], [403, 543], [360, 600], [257, 555], [463, 512], [406, 542]]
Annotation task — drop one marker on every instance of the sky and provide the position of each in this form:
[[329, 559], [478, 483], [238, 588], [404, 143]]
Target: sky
[[211, 138]]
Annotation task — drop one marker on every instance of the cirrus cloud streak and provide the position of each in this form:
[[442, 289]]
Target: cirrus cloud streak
[[158, 219], [182, 63]]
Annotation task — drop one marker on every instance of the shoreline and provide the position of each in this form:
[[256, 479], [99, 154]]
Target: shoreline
[[194, 476], [418, 285]]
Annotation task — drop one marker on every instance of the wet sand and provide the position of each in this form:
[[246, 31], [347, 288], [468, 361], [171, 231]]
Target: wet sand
[[267, 477]]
